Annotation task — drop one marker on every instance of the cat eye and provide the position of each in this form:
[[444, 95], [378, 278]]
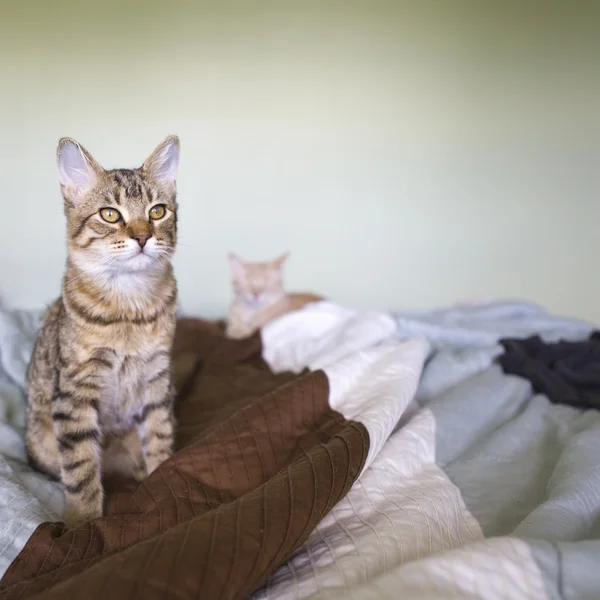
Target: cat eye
[[110, 215], [157, 212]]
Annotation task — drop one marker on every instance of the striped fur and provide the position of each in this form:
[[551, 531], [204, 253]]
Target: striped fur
[[100, 395]]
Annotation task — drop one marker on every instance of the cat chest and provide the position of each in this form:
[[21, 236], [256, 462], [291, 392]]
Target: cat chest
[[129, 387], [129, 340]]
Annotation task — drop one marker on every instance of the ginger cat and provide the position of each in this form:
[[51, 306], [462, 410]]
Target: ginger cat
[[259, 296]]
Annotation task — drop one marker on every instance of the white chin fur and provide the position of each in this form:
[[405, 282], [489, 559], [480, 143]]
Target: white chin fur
[[118, 265], [137, 262], [130, 277]]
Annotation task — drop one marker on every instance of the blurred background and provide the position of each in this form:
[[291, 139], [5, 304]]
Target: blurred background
[[409, 154]]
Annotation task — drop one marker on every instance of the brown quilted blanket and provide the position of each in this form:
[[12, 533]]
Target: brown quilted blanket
[[261, 459]]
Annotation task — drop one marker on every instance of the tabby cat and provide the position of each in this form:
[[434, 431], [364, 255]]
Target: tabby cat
[[259, 296], [100, 396]]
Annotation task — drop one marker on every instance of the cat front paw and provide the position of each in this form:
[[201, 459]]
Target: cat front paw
[[139, 473], [78, 514], [155, 460]]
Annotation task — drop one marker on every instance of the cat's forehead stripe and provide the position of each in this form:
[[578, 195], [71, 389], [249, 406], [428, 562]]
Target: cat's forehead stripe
[[129, 181]]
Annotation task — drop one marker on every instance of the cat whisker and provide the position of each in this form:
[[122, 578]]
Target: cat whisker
[[163, 254], [105, 262]]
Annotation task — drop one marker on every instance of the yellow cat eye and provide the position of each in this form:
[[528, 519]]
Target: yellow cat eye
[[110, 215], [157, 212]]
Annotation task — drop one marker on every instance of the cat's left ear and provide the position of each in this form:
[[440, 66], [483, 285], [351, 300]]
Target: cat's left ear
[[236, 264], [280, 261], [163, 163]]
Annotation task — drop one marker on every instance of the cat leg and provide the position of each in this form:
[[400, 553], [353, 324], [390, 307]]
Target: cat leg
[[40, 440], [155, 421], [123, 456], [77, 428], [78, 435]]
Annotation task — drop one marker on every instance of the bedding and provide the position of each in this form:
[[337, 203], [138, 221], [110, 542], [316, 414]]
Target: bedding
[[338, 454]]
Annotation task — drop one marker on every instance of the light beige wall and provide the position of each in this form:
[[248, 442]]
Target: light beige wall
[[408, 153]]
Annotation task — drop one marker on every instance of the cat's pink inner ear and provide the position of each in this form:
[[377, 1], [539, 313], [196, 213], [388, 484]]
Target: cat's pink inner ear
[[163, 163], [280, 261], [235, 263], [77, 171]]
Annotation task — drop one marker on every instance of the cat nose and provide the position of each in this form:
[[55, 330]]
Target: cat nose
[[141, 238]]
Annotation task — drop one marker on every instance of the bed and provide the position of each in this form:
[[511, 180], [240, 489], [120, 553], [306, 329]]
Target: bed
[[338, 454]]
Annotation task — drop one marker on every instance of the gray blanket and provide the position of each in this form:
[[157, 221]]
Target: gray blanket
[[26, 498], [525, 467], [485, 490]]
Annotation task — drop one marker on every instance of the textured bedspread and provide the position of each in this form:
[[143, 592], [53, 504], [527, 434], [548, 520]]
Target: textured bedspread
[[484, 490], [366, 476]]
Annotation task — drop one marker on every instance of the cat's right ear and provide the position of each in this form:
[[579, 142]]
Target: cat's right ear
[[77, 171], [236, 264], [163, 163]]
